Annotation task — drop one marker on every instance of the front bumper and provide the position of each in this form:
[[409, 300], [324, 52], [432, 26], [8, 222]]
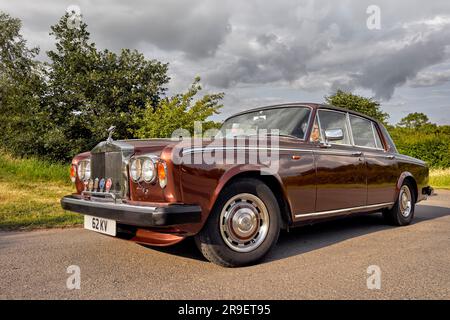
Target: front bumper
[[139, 216]]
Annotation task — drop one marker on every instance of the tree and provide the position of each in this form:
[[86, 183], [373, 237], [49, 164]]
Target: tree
[[89, 90], [414, 121], [179, 111], [21, 86], [367, 106]]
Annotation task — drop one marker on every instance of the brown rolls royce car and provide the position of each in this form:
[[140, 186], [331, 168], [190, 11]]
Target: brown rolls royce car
[[234, 192]]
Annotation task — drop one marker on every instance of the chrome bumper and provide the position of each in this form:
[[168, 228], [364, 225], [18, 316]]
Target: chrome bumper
[[140, 216]]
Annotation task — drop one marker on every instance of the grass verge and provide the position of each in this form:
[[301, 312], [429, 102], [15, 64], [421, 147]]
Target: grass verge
[[30, 191], [440, 178]]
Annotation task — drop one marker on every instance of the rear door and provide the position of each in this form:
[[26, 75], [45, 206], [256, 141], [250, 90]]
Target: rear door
[[382, 173], [340, 169]]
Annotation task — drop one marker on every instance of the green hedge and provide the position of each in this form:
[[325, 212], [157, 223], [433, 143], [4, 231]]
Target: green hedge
[[430, 144]]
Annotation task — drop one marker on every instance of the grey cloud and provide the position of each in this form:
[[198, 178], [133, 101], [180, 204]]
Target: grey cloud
[[430, 79], [307, 47], [195, 27], [328, 46], [388, 72]]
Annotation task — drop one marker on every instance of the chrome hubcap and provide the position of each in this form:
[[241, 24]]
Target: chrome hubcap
[[405, 201], [244, 222]]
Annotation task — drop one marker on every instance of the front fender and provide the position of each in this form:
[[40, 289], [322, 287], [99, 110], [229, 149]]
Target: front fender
[[241, 170]]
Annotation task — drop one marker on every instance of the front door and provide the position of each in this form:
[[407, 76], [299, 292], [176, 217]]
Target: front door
[[340, 169]]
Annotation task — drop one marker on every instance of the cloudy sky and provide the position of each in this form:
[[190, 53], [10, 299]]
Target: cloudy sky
[[266, 52]]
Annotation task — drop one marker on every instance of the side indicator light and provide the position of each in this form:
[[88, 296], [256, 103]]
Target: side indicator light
[[73, 173], [162, 174]]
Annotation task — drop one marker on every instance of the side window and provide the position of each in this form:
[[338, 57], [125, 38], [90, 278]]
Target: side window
[[332, 120], [315, 133], [363, 132], [378, 142]]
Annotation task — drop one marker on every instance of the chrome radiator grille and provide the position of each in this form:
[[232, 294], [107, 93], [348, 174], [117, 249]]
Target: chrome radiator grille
[[109, 161], [108, 165]]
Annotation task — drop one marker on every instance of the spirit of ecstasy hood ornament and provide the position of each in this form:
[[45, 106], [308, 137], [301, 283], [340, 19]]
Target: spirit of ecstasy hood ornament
[[110, 131]]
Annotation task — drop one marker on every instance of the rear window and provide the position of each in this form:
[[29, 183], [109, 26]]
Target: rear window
[[363, 132]]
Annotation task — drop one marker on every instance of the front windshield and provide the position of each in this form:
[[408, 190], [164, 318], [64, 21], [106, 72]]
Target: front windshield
[[290, 121]]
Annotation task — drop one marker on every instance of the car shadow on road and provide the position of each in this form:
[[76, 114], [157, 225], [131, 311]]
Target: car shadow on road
[[312, 237]]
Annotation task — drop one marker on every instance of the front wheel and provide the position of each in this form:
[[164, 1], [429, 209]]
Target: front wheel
[[402, 212], [243, 225]]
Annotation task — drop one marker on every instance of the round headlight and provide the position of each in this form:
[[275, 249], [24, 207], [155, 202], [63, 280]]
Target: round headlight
[[148, 170], [84, 170], [135, 170]]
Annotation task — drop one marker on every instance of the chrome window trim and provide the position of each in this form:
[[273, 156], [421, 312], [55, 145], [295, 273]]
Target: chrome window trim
[[349, 123]]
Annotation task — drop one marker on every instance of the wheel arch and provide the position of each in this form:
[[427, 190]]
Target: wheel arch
[[407, 176], [273, 181]]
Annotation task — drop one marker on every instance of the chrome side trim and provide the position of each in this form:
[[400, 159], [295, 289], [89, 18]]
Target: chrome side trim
[[345, 210], [203, 149]]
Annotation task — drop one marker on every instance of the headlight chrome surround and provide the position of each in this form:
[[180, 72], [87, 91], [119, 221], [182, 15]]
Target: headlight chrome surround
[[144, 168]]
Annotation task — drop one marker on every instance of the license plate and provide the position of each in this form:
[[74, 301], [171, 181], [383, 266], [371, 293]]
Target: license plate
[[101, 225]]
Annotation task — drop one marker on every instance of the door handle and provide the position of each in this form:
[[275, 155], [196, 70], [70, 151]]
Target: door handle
[[357, 154], [391, 157]]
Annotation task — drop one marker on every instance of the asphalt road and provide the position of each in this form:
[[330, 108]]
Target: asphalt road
[[324, 261]]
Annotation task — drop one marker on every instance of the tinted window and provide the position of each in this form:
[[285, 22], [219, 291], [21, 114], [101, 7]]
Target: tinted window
[[330, 120], [363, 133], [289, 121]]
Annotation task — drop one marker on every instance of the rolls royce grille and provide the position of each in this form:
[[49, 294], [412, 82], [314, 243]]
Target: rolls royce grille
[[108, 165]]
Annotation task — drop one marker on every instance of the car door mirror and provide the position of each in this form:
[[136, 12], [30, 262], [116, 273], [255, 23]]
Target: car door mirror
[[334, 134]]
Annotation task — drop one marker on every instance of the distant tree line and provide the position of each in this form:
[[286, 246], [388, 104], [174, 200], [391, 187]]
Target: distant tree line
[[414, 135], [59, 108]]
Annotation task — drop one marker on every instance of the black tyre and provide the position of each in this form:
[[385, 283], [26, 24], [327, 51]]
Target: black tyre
[[243, 226], [402, 212]]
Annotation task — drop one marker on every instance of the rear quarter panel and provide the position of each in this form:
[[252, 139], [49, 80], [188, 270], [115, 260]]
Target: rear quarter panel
[[415, 168]]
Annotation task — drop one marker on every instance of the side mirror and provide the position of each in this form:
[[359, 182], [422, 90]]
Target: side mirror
[[334, 134]]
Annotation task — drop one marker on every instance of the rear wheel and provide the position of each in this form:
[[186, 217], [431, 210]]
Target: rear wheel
[[402, 212], [243, 225]]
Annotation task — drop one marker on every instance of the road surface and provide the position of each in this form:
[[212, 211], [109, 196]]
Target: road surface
[[324, 261]]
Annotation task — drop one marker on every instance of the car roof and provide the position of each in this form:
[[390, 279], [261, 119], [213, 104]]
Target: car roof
[[301, 104]]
